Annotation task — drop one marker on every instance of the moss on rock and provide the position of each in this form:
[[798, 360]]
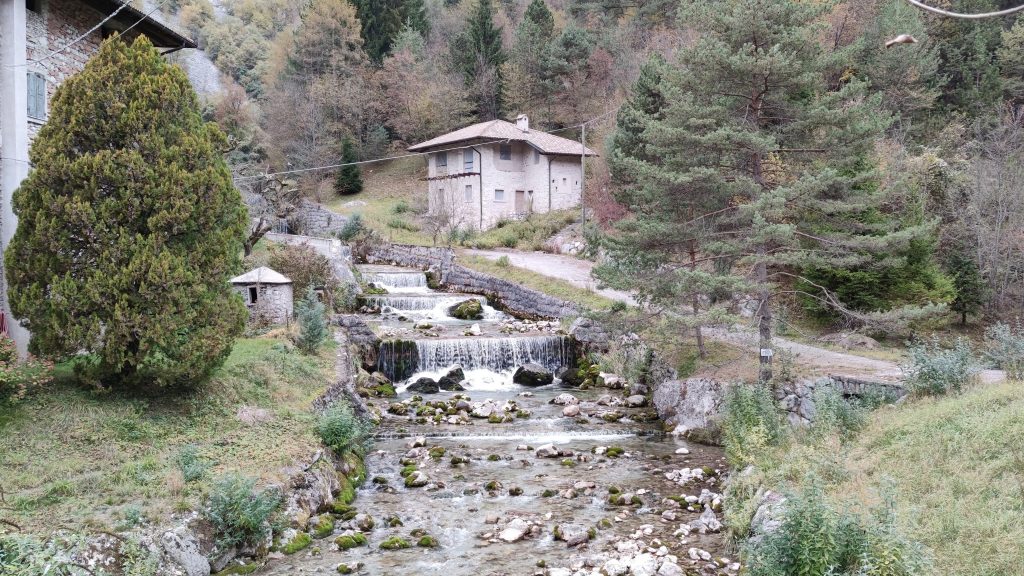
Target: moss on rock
[[395, 543], [301, 541]]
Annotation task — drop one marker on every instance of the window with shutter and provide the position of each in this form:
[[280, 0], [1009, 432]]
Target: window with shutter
[[36, 96], [467, 160]]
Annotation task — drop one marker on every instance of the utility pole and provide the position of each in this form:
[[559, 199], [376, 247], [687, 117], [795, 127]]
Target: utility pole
[[583, 174]]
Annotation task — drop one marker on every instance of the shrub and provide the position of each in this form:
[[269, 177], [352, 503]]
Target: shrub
[[1005, 348], [834, 415], [239, 514], [750, 423], [17, 378], [401, 207], [192, 465], [934, 370], [400, 224], [312, 323], [305, 267], [503, 262], [340, 429], [352, 228]]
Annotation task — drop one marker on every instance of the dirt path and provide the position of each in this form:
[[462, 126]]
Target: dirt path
[[815, 359]]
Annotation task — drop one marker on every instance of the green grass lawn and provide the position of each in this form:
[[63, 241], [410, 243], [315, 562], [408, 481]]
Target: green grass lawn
[[71, 457], [541, 283], [956, 465]]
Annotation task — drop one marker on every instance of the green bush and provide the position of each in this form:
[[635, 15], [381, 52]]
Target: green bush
[[815, 539], [834, 415], [401, 207], [340, 429], [312, 323], [934, 370], [352, 228], [240, 515], [503, 262], [401, 224], [192, 465], [1004, 346], [750, 424]]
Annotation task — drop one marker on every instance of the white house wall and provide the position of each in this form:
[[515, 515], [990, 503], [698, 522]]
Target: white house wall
[[524, 172]]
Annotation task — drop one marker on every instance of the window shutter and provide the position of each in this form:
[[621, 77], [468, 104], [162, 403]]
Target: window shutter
[[36, 96], [31, 79]]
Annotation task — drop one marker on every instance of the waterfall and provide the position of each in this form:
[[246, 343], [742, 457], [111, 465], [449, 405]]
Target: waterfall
[[411, 303], [397, 281], [495, 354]]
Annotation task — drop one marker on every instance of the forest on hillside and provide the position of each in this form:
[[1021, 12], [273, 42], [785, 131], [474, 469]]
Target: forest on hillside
[[308, 84]]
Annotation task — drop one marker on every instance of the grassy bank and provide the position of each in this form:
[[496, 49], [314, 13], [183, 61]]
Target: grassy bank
[[70, 457], [539, 282]]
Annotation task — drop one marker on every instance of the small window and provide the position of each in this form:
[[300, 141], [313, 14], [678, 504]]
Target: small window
[[469, 193], [499, 195], [442, 160], [36, 96], [467, 160], [254, 294], [505, 151], [536, 157], [32, 5]]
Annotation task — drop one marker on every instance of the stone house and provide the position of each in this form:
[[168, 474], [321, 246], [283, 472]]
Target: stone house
[[42, 43], [268, 295], [497, 170]]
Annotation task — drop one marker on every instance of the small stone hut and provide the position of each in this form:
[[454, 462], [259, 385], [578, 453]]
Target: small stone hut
[[267, 294]]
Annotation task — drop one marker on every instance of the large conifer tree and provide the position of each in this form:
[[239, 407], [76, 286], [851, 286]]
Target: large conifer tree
[[129, 226], [756, 165], [477, 54]]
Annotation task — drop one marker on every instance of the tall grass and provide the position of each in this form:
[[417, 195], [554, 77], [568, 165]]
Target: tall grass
[[932, 369]]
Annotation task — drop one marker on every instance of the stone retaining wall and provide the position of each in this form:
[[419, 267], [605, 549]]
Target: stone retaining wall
[[312, 219], [517, 299]]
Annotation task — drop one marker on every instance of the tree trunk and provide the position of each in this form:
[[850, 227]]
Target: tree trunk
[[764, 323], [701, 350]]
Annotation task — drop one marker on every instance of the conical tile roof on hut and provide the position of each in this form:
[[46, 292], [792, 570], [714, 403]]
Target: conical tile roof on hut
[[261, 275]]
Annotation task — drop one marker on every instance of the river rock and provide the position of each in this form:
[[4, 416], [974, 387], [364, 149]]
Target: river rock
[[768, 517], [364, 522], [613, 381], [416, 480], [565, 400], [533, 375], [546, 451], [571, 377], [636, 401], [693, 406], [425, 386], [571, 411], [181, 546], [515, 531], [589, 333], [615, 567], [571, 534], [707, 523], [670, 569], [467, 310], [484, 409], [452, 380], [643, 565]]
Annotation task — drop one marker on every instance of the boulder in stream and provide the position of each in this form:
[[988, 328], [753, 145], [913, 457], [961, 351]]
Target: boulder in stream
[[452, 380], [533, 375], [693, 406], [467, 310], [425, 386]]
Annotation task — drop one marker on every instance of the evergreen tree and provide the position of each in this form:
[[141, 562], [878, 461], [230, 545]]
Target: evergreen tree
[[523, 75], [970, 286], [645, 103], [129, 226], [312, 322], [1011, 62], [414, 14], [968, 51], [756, 165], [477, 55], [381, 21], [538, 17], [349, 179]]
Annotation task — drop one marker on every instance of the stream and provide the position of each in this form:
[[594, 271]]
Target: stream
[[506, 481]]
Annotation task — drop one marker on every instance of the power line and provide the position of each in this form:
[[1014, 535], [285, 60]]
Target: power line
[[978, 16], [409, 155], [60, 50]]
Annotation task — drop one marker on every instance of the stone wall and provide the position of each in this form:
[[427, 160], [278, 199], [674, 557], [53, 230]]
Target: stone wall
[[513, 297], [312, 219], [274, 302]]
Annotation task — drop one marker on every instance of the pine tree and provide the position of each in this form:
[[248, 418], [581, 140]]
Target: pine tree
[[477, 55], [757, 168], [414, 15], [970, 286], [523, 75], [1011, 61], [312, 322], [381, 21], [968, 51], [129, 226], [349, 179], [644, 105]]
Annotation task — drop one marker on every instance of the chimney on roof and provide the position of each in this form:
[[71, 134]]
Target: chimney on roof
[[523, 122]]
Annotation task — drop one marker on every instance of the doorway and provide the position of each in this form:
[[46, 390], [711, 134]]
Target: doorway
[[520, 201]]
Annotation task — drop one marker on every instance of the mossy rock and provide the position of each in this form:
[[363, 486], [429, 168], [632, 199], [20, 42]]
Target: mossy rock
[[467, 310], [614, 489], [343, 510], [346, 492], [349, 541], [523, 414], [492, 486], [300, 542], [615, 452], [604, 524], [384, 391], [459, 461], [612, 416], [407, 471], [496, 418], [324, 528], [380, 480], [427, 542], [395, 543], [568, 463], [493, 458], [437, 452], [515, 491], [239, 569], [393, 521], [548, 493], [398, 409], [345, 569]]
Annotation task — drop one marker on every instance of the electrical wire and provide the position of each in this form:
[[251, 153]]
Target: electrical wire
[[409, 155], [978, 16]]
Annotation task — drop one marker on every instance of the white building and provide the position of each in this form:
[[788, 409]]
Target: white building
[[497, 170], [43, 43]]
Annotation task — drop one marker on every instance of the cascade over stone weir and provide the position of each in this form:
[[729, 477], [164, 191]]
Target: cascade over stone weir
[[405, 302], [399, 359], [396, 281]]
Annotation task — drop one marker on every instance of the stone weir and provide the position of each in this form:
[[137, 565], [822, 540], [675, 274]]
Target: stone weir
[[396, 281], [400, 359], [417, 302]]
